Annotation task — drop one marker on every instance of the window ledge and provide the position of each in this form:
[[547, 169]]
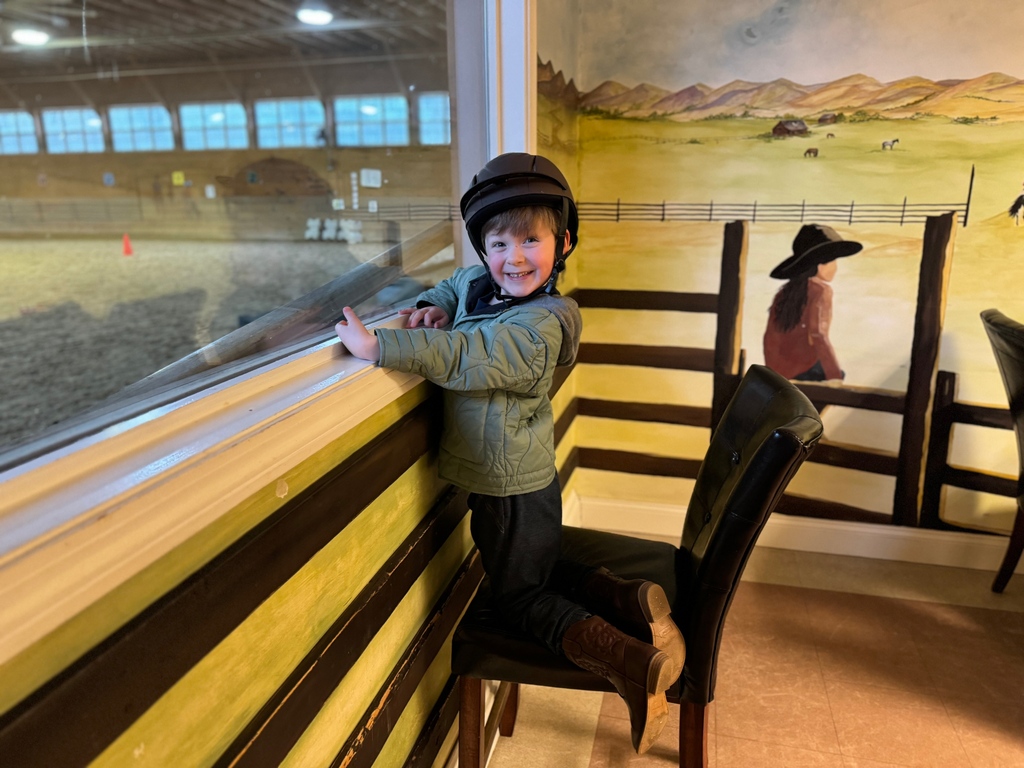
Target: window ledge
[[78, 522]]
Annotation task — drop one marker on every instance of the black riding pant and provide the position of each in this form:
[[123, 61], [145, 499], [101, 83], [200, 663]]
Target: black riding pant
[[520, 539]]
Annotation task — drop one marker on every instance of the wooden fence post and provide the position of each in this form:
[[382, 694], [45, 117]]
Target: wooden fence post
[[933, 282], [730, 317], [938, 448]]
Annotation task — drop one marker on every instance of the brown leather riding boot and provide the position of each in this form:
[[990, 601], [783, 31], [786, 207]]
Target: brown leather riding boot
[[639, 672], [639, 608]]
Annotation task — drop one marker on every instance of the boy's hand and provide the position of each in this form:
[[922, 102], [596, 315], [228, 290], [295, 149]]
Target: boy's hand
[[428, 317], [356, 338]]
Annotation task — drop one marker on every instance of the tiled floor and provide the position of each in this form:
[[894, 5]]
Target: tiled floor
[[827, 661]]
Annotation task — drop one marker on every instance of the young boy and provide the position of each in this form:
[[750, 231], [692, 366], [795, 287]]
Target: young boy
[[509, 328]]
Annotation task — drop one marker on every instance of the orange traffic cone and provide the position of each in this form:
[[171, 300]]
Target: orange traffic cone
[[126, 246]]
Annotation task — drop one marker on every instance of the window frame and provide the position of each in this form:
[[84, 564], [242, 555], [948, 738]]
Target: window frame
[[134, 131], [365, 122], [190, 132], [50, 137], [18, 135]]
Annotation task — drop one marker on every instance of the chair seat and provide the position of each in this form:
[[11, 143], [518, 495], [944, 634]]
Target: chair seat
[[486, 647]]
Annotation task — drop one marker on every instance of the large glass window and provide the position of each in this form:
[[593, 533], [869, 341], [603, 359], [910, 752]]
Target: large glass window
[[290, 123], [141, 128], [435, 118], [17, 134], [72, 130], [214, 126], [188, 213], [371, 121]]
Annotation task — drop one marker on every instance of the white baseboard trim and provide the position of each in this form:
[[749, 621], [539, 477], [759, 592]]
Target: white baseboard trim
[[881, 542]]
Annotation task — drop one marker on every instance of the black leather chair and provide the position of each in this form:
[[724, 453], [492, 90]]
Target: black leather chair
[[765, 434], [1007, 338]]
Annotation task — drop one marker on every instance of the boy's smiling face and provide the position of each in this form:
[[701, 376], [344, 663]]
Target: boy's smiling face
[[520, 264]]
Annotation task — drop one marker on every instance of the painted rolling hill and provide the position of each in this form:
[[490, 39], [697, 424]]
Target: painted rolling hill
[[995, 95]]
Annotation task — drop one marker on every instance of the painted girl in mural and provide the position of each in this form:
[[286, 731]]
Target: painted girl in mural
[[796, 342]]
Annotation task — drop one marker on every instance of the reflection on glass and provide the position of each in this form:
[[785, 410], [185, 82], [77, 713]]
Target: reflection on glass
[[182, 190]]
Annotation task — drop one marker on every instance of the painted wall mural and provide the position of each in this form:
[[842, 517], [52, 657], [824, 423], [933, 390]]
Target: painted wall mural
[[860, 117]]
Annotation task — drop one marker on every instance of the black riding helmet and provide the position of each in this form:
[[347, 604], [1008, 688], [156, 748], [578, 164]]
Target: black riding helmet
[[514, 180]]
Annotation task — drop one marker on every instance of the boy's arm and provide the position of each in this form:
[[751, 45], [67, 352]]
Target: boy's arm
[[508, 355]]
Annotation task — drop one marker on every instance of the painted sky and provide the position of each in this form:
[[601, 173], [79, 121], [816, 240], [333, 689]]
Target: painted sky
[[679, 43]]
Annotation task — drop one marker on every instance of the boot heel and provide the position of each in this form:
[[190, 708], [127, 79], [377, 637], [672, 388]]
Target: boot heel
[[659, 674], [654, 602]]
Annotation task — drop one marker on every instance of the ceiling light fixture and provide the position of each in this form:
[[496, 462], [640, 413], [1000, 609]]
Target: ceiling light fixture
[[29, 36], [314, 13]]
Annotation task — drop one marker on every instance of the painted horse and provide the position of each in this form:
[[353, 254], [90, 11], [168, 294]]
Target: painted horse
[[890, 144]]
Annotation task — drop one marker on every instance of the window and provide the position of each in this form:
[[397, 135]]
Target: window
[[17, 134], [289, 123], [214, 126], [435, 119], [141, 128], [73, 130], [371, 121]]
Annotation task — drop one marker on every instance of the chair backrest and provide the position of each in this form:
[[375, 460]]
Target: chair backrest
[[1007, 339], [765, 434]]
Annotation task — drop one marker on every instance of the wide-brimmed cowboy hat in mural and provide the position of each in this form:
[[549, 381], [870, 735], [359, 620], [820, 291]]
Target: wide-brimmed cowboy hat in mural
[[814, 244]]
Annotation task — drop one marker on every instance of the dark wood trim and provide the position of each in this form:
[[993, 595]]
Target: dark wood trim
[[938, 448], [855, 457], [638, 463], [561, 374], [864, 398], [975, 480], [732, 276], [669, 301], [936, 260], [566, 419], [272, 733], [688, 415], [679, 358], [438, 726], [364, 744], [76, 715], [572, 461], [801, 506], [981, 415]]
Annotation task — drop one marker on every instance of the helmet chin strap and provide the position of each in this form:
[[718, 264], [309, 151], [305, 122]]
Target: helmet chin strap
[[548, 287]]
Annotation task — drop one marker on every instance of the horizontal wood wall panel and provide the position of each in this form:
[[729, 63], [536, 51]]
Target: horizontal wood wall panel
[[51, 657], [637, 463], [343, 715], [643, 385], [436, 731], [853, 397], [659, 300], [655, 438], [681, 358], [271, 734], [802, 506], [690, 415], [126, 674], [981, 415], [365, 744], [864, 459], [986, 482]]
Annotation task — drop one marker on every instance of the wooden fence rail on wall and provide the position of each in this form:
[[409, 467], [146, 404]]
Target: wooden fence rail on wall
[[724, 361], [946, 412]]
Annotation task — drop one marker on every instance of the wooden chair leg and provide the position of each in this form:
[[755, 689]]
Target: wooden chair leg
[[693, 735], [472, 743], [507, 724], [1013, 553]]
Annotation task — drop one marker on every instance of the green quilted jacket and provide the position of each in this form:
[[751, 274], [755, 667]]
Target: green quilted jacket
[[496, 370]]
